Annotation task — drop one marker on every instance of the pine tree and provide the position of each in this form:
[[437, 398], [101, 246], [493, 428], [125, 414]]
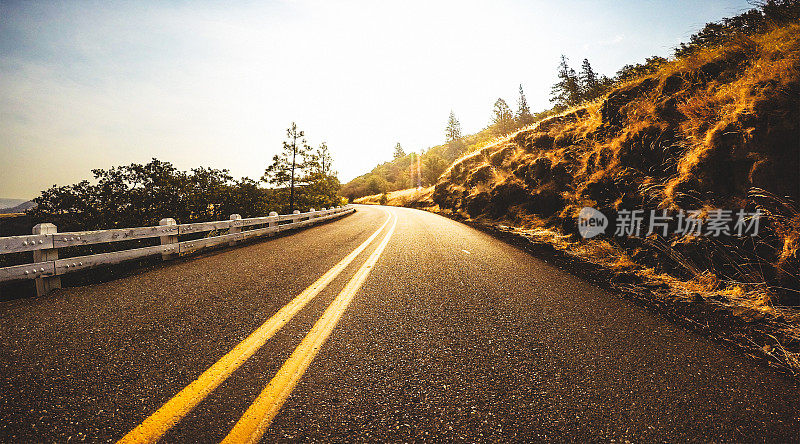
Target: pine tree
[[288, 165], [590, 86], [503, 118], [453, 130], [320, 184], [398, 151], [566, 92], [322, 160], [455, 145], [524, 116]]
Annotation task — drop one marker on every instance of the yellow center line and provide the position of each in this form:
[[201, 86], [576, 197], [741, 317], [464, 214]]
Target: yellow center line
[[157, 424], [252, 425]]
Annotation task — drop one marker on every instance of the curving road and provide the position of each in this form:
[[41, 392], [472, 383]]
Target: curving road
[[430, 331]]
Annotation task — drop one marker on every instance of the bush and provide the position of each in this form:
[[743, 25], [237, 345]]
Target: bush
[[141, 195]]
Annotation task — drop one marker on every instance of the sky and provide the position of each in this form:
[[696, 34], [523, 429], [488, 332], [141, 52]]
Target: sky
[[87, 85]]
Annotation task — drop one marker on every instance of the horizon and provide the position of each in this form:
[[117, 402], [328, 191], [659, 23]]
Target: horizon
[[216, 86]]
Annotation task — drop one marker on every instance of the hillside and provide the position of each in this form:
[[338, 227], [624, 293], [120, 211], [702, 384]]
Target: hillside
[[17, 206], [8, 203], [714, 129]]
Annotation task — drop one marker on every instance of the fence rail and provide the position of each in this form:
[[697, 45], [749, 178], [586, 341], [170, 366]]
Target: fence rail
[[47, 268]]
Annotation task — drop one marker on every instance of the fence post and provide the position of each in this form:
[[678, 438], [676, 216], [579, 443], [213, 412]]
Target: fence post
[[171, 240], [234, 227], [273, 223], [45, 284]]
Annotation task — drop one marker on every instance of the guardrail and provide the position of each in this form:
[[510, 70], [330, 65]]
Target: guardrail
[[45, 242]]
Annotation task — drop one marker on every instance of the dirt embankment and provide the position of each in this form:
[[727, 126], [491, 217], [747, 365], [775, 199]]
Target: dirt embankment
[[717, 130]]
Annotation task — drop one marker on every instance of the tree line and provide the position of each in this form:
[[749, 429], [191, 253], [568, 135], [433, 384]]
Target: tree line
[[142, 194], [505, 121], [769, 13], [574, 88]]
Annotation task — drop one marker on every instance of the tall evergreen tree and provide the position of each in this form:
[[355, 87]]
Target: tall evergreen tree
[[453, 130], [503, 118], [455, 145], [398, 151], [566, 92], [590, 85], [287, 165], [524, 116]]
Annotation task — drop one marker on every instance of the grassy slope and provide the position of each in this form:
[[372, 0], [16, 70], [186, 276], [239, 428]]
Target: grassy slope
[[718, 129]]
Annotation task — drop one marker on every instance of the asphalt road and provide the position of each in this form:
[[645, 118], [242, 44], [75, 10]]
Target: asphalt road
[[450, 336]]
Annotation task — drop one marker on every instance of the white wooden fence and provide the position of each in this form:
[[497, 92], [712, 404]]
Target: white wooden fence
[[45, 241]]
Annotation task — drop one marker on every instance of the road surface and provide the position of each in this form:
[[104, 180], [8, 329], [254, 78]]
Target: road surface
[[432, 331]]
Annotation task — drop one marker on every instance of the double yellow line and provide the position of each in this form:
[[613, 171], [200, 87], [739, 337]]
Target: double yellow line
[[255, 421]]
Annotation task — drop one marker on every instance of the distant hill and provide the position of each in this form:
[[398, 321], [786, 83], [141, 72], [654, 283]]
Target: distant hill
[[8, 203], [15, 205]]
